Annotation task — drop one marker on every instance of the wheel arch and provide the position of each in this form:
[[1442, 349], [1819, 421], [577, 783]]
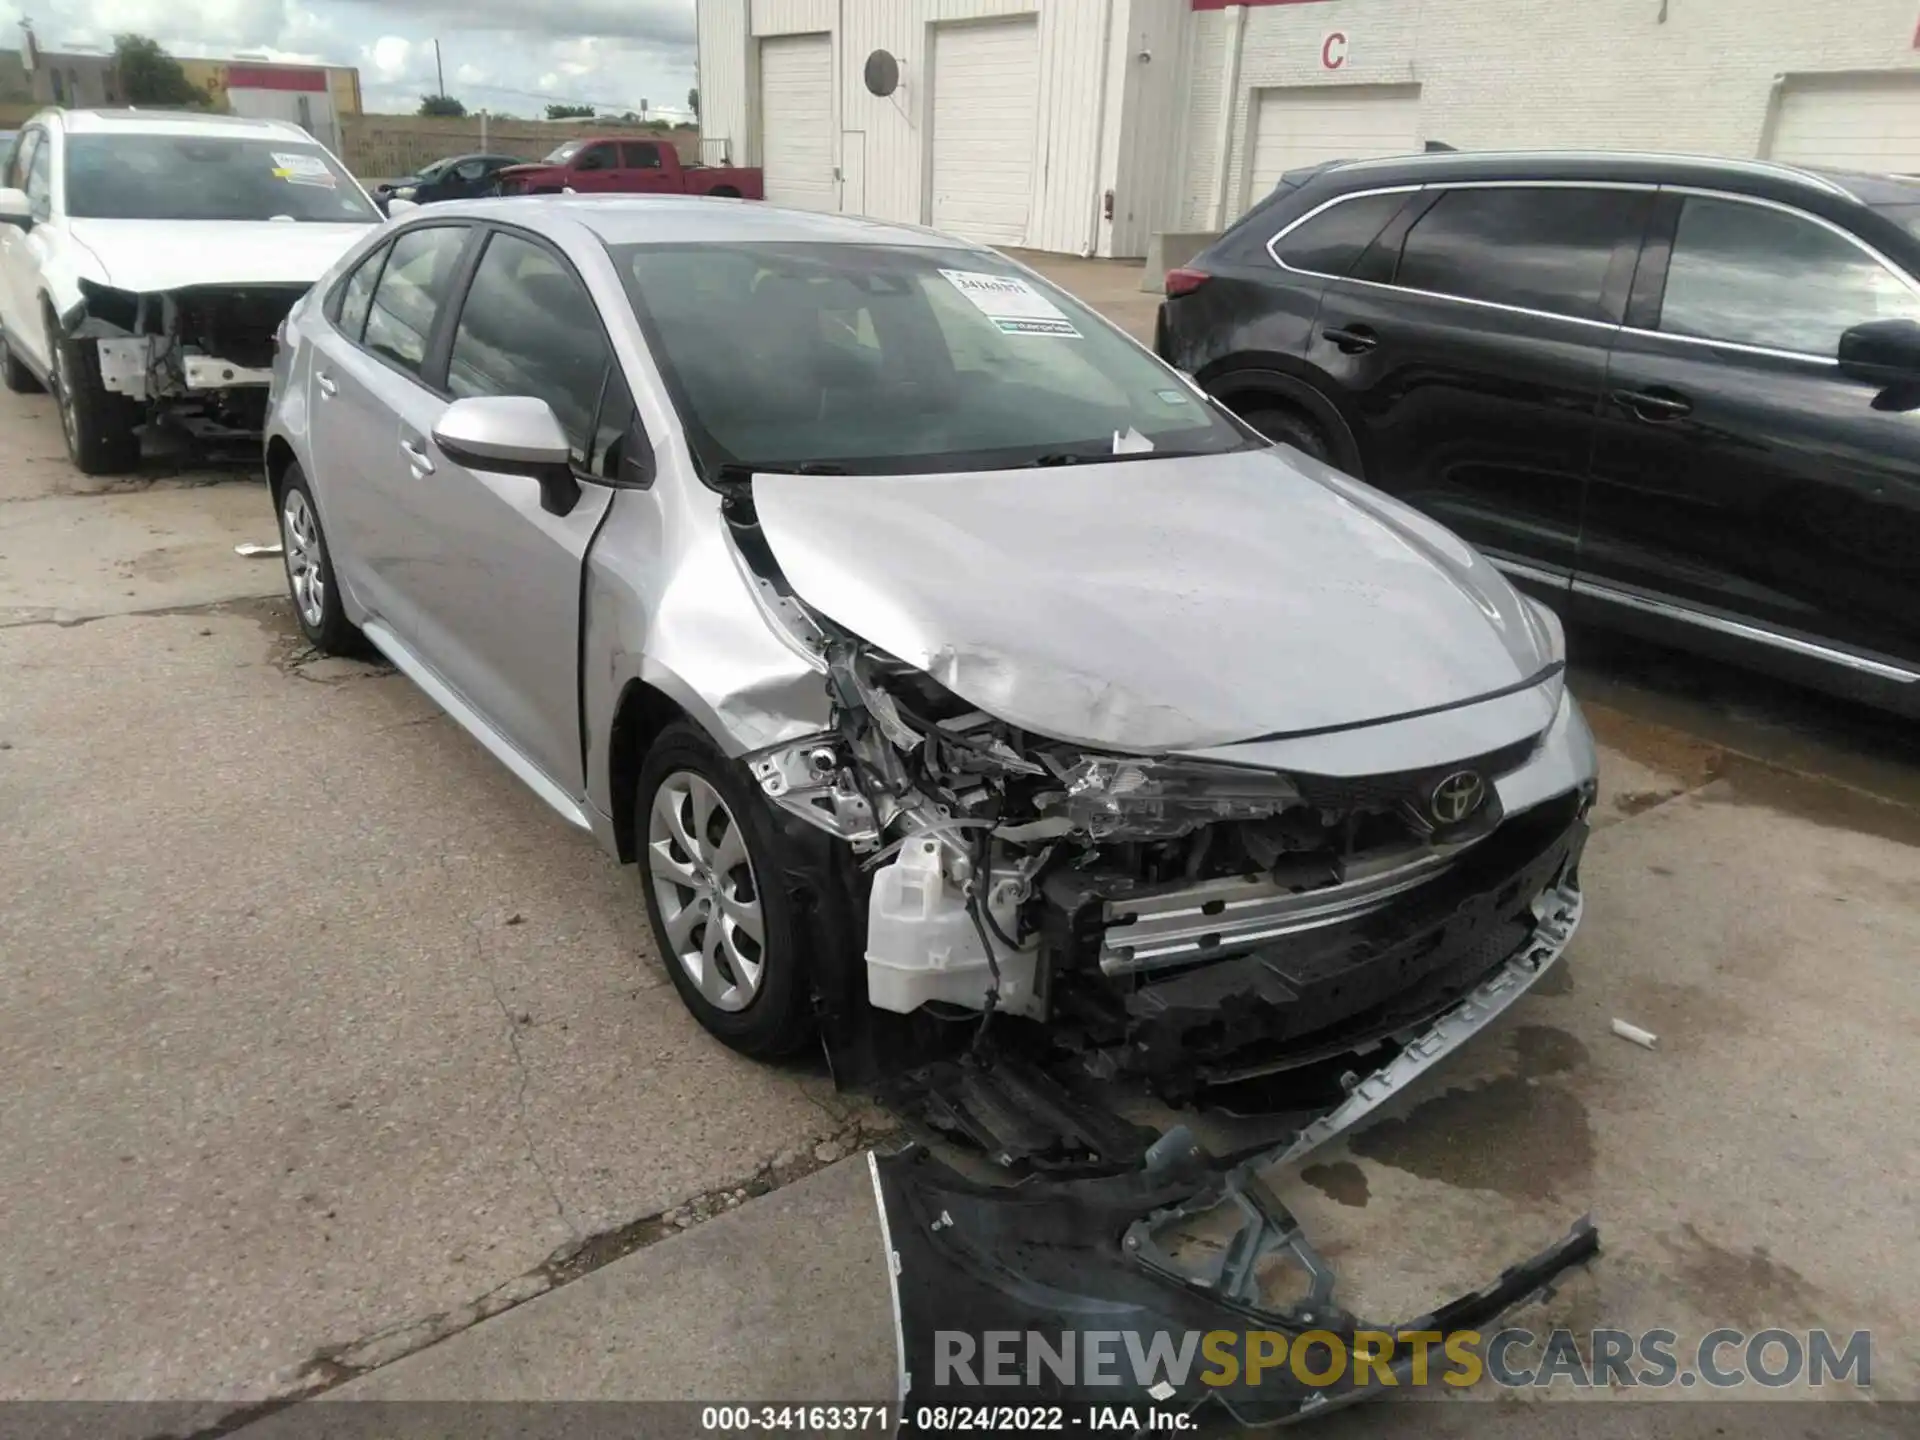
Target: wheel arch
[[643, 711], [280, 459], [1234, 383]]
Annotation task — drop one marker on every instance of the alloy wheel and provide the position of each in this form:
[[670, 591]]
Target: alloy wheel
[[306, 558], [704, 883]]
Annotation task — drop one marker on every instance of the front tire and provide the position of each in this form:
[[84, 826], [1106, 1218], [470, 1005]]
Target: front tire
[[102, 429], [1288, 427], [310, 579], [727, 929]]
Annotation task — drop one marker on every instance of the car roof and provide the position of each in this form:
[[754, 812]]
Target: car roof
[[675, 219], [173, 122], [1758, 176]]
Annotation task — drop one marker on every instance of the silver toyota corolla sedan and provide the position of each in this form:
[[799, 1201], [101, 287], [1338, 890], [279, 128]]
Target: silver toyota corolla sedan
[[942, 658]]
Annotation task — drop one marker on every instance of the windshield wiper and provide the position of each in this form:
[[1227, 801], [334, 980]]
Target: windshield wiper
[[734, 472]]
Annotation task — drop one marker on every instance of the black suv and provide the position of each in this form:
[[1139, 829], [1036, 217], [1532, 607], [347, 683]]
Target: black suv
[[1675, 395]]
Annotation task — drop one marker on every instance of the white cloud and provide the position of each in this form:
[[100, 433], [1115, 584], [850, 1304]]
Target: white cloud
[[388, 56], [504, 55]]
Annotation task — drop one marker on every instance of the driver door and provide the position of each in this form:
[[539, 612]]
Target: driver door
[[597, 168], [1737, 471], [23, 249], [493, 588]]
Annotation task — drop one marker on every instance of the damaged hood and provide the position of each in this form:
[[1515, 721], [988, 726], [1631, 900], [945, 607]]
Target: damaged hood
[[1156, 605], [148, 256]]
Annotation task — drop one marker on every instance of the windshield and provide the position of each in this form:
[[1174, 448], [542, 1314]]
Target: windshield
[[200, 177], [871, 359], [563, 153]]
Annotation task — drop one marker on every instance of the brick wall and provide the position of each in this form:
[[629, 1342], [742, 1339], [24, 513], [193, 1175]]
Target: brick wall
[[380, 147]]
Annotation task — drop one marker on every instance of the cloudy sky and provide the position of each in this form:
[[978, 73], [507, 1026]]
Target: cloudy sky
[[505, 55]]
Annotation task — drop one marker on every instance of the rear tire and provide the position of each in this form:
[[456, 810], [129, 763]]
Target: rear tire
[[14, 372], [724, 192], [309, 564], [102, 428], [711, 868], [1284, 426]]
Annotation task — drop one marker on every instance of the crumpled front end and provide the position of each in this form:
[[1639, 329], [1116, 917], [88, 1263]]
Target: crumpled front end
[[1187, 924], [200, 357]]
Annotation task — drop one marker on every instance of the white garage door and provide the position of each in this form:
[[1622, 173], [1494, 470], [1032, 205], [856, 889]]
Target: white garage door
[[986, 88], [1868, 124], [796, 121], [1308, 124]]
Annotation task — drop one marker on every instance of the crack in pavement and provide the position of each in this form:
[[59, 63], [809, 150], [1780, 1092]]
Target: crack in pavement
[[513, 1023], [335, 1365]]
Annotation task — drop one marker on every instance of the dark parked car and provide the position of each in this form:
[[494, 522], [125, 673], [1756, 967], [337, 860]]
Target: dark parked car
[[458, 177], [1675, 395]]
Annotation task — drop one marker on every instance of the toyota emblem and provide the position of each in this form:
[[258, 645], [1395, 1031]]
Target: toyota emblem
[[1457, 797]]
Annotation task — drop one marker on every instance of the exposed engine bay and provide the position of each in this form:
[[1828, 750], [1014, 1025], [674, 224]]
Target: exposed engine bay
[[200, 357], [1166, 924]]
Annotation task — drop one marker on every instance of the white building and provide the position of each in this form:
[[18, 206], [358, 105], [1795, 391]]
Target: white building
[[1088, 126]]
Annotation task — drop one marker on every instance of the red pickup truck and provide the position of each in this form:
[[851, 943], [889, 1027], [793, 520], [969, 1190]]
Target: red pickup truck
[[625, 166]]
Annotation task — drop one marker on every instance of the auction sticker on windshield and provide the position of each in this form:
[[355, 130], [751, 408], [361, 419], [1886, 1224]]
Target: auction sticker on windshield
[[302, 169], [1014, 306]]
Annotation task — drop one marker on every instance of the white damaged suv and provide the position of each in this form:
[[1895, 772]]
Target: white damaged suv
[[147, 259]]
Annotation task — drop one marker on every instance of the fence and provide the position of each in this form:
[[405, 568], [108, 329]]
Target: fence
[[380, 147]]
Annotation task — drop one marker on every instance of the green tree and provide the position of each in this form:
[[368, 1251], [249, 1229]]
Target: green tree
[[150, 76], [444, 105], [569, 112], [693, 102]]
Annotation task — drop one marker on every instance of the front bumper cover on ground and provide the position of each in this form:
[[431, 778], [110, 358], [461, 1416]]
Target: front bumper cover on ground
[[1066, 1262]]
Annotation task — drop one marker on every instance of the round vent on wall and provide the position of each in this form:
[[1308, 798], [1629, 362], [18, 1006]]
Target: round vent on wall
[[882, 73]]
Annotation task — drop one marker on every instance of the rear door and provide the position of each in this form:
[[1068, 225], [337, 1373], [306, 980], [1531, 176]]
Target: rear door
[[1737, 471], [1468, 351], [493, 590], [369, 369]]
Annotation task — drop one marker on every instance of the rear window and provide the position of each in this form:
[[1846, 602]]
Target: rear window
[[1329, 243], [208, 177], [1535, 249], [1906, 216]]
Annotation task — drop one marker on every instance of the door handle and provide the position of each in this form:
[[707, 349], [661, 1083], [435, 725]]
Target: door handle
[[1653, 406], [1352, 340], [417, 458], [325, 382]]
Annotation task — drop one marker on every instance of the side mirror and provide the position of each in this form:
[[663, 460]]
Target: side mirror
[[1880, 350], [397, 206], [15, 208], [511, 435]]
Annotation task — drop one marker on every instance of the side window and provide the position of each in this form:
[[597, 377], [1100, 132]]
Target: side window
[[1538, 249], [1329, 243], [470, 169], [1753, 275], [39, 185], [356, 296], [411, 290], [604, 156], [528, 327], [640, 155]]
